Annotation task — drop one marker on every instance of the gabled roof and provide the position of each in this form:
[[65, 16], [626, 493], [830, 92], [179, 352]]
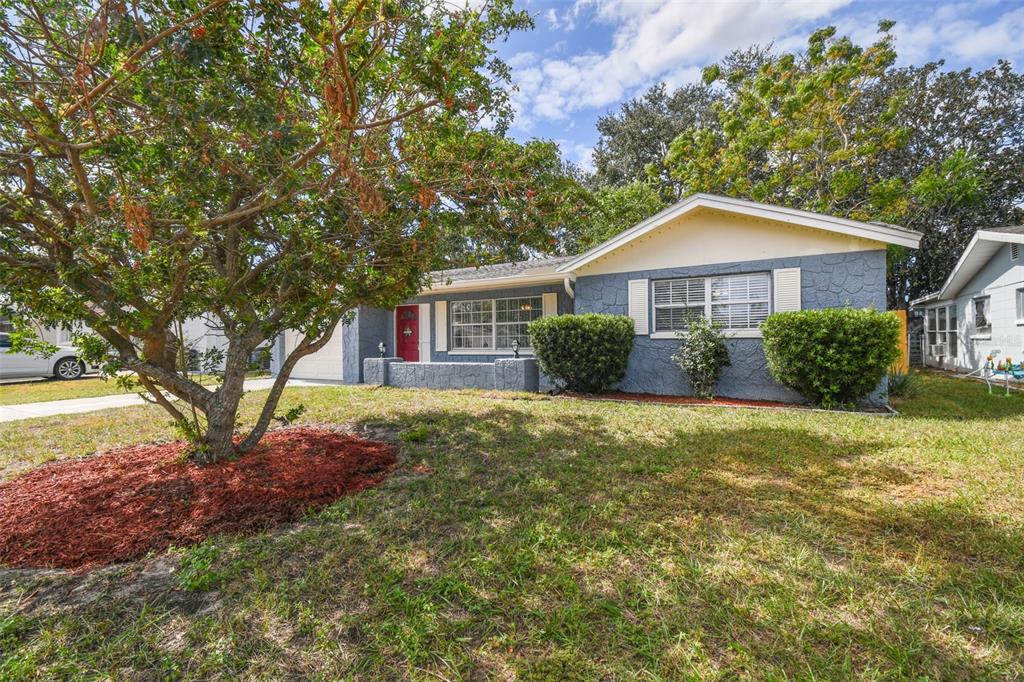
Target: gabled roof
[[881, 232], [519, 273], [983, 245]]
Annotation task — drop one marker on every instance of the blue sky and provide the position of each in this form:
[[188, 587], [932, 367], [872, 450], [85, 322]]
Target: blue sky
[[586, 57]]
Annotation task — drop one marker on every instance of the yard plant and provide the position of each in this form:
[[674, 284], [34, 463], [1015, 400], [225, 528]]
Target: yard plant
[[267, 165], [585, 353], [701, 355], [834, 357]]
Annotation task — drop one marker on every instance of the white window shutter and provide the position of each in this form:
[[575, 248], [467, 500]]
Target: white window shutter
[[424, 327], [549, 305], [787, 289], [638, 308], [441, 325]]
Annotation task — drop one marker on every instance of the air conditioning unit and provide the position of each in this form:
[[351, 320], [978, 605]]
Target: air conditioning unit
[[937, 350]]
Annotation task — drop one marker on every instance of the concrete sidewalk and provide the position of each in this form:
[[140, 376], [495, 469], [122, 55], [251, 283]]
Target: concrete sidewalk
[[10, 413]]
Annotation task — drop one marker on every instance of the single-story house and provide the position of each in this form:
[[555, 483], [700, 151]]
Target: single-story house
[[736, 261], [979, 311]]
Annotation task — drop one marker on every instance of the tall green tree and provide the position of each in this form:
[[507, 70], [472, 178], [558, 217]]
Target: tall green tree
[[976, 115], [610, 210], [270, 164], [826, 130], [633, 141], [838, 127]]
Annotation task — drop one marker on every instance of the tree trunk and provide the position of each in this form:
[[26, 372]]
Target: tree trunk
[[218, 442]]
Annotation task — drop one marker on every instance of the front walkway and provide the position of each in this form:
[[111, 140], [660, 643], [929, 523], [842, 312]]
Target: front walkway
[[10, 413]]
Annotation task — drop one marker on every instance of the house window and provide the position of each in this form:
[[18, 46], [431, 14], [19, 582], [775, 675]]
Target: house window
[[677, 301], [1020, 306], [932, 326], [951, 335], [492, 324], [981, 314], [734, 301]]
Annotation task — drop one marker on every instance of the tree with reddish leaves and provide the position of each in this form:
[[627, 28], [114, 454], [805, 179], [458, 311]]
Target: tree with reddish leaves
[[270, 164]]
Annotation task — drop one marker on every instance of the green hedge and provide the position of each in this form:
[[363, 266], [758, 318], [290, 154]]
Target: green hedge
[[586, 353], [833, 357]]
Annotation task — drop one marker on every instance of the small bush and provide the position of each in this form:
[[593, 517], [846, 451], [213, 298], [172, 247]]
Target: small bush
[[586, 353], [833, 357], [902, 385], [702, 355]]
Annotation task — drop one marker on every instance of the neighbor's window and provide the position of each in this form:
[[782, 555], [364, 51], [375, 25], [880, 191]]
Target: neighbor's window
[[1020, 306], [981, 313], [951, 336], [492, 324], [733, 301]]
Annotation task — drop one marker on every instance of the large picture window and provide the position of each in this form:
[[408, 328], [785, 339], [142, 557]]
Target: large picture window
[[493, 324], [736, 302]]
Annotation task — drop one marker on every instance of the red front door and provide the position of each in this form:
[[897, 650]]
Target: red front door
[[407, 329]]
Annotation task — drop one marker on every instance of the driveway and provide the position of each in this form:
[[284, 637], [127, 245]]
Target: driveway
[[10, 413]]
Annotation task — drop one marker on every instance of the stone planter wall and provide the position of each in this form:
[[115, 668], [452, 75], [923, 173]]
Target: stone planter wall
[[504, 374]]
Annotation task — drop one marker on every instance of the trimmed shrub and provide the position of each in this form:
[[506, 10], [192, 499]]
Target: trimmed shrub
[[702, 355], [586, 353], [833, 357]]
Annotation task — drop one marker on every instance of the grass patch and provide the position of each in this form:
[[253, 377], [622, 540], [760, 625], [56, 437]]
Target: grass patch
[[558, 539], [46, 390], [52, 389]]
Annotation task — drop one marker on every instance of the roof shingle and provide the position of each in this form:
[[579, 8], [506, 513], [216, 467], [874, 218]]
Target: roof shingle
[[497, 270]]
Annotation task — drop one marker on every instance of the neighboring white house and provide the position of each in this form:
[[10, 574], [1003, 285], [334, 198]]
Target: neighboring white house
[[979, 311]]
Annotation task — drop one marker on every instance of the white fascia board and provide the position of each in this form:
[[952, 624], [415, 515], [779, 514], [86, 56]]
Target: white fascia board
[[927, 298], [508, 282], [882, 233], [983, 245]]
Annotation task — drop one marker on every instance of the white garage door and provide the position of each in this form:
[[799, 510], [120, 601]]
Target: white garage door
[[324, 365]]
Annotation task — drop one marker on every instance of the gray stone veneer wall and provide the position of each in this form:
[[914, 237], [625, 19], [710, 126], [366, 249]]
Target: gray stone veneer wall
[[833, 280], [441, 375], [505, 374]]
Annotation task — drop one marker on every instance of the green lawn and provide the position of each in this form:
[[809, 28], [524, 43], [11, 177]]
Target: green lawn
[[560, 539], [51, 389], [89, 387]]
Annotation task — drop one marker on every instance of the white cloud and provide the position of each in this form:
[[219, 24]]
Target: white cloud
[[670, 40], [652, 40], [580, 154], [946, 31]]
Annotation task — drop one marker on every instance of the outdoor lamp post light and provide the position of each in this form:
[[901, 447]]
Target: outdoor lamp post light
[[515, 348], [382, 348]]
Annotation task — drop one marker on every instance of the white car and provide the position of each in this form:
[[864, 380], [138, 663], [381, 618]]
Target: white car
[[64, 364]]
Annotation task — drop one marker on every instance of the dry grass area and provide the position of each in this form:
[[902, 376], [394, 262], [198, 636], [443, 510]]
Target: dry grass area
[[558, 539]]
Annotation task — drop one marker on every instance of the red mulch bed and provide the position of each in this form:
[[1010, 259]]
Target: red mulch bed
[[681, 400], [121, 504]]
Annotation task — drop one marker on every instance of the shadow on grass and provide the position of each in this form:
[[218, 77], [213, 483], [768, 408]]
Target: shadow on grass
[[548, 544]]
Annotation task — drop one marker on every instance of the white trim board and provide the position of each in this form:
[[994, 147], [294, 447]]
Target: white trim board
[[980, 250]]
